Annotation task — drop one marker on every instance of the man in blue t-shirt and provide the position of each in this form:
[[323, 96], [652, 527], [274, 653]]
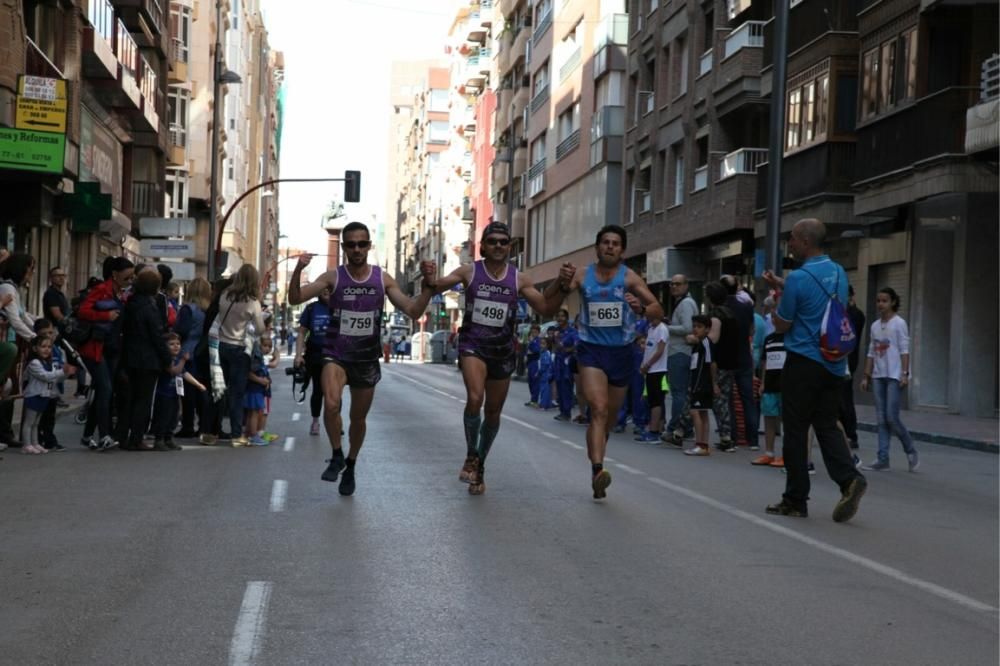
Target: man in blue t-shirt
[[810, 384]]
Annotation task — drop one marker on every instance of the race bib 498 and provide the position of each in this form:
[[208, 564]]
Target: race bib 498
[[485, 313]]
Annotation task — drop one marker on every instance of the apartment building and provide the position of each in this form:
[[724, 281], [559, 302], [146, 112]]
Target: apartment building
[[93, 123], [570, 129]]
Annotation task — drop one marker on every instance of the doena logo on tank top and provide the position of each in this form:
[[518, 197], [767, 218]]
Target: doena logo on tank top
[[352, 293], [489, 290]]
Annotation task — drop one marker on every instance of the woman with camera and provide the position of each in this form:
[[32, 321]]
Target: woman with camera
[[312, 332]]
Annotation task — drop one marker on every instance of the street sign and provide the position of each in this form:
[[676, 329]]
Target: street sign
[[41, 115], [41, 87], [26, 150], [166, 227], [158, 247]]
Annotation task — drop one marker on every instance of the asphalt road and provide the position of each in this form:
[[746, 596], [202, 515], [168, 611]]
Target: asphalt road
[[219, 555]]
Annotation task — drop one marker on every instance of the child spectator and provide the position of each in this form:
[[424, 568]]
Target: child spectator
[[770, 403], [545, 370], [704, 385], [46, 425], [40, 390], [169, 391], [255, 399], [532, 357], [267, 349]]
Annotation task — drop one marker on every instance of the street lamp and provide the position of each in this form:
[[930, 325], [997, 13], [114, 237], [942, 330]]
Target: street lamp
[[221, 76]]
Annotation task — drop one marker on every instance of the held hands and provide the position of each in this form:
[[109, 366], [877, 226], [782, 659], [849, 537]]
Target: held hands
[[304, 260], [633, 303], [428, 269]]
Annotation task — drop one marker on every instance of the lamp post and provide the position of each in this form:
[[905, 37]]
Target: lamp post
[[777, 131], [221, 76]]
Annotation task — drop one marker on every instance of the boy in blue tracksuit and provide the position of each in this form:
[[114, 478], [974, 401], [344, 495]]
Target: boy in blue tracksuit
[[532, 357], [634, 404], [566, 338], [546, 365]]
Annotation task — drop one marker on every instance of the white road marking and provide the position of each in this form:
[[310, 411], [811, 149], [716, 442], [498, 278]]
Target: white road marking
[[249, 631], [630, 470], [860, 560], [296, 416], [523, 424], [609, 459], [578, 447], [279, 493], [550, 435], [289, 443]]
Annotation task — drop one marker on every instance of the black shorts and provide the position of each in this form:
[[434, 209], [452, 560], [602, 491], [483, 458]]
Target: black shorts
[[654, 388], [701, 401], [496, 368], [360, 374]]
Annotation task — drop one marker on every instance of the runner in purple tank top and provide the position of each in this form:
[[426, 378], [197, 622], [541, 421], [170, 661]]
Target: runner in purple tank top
[[486, 339], [353, 347]]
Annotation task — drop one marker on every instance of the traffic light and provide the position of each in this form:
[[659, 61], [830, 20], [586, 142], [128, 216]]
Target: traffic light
[[352, 186]]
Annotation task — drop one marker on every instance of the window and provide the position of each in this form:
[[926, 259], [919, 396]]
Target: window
[[541, 79], [644, 200], [44, 23], [538, 149], [569, 121], [437, 131], [681, 66], [808, 104], [677, 152], [180, 31], [567, 53], [176, 193], [438, 102], [178, 100], [889, 74]]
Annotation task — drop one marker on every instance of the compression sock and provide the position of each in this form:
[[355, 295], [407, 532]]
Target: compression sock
[[350, 463], [595, 469], [486, 436], [472, 424]]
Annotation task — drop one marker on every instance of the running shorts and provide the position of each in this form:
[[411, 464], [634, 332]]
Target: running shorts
[[615, 362], [360, 374], [496, 368]]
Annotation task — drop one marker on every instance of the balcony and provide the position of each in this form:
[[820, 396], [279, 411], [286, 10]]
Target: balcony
[[742, 161], [37, 64], [544, 24], [486, 13], [519, 45], [983, 119], [177, 153], [540, 98], [474, 29], [536, 178], [611, 31], [748, 35], [473, 75], [570, 65], [128, 67], [485, 60], [468, 213], [807, 21], [150, 95], [700, 178], [705, 63], [177, 70], [568, 145], [933, 126], [825, 169], [147, 200], [145, 18], [99, 61], [469, 120]]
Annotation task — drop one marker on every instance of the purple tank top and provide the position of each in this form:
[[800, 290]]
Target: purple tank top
[[353, 333], [490, 314]]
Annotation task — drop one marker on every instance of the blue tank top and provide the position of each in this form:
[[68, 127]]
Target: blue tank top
[[353, 333], [605, 318], [490, 313]]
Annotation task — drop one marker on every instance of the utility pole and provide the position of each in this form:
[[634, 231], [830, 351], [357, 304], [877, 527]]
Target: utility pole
[[779, 74], [213, 193]]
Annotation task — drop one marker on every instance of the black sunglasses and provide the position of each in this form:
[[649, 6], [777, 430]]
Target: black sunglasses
[[502, 242], [350, 245]]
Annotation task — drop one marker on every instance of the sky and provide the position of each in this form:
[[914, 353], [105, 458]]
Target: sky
[[338, 55]]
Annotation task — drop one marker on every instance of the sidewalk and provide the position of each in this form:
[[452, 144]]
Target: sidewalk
[[948, 429]]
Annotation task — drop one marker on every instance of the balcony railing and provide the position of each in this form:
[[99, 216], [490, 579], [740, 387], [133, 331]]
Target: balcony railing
[[705, 63], [544, 24], [744, 160], [700, 178], [126, 50], [101, 15], [178, 136], [612, 30], [37, 64], [537, 168], [931, 127], [824, 169], [571, 64], [750, 34], [147, 199], [539, 99], [147, 82], [178, 50], [568, 145], [808, 20], [989, 79], [608, 121]]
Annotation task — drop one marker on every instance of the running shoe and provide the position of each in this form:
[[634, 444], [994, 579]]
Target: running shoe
[[270, 437], [257, 440], [3, 447], [856, 460], [468, 469], [347, 482], [600, 484], [697, 451], [561, 417], [54, 448], [314, 428], [240, 442], [811, 468], [784, 508], [765, 459], [850, 499], [914, 461], [726, 447], [206, 439], [531, 403], [876, 466], [88, 443], [649, 437], [333, 469], [674, 440], [107, 444]]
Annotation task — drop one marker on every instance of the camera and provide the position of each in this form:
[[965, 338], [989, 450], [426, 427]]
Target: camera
[[298, 373]]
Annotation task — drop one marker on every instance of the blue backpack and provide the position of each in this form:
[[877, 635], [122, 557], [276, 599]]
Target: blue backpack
[[837, 337]]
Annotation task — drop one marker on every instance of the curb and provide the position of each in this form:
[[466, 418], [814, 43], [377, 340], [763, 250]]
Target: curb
[[943, 439]]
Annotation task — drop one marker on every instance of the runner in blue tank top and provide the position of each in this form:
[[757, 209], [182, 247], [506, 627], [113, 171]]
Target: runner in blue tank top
[[353, 347], [486, 339], [611, 295]]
